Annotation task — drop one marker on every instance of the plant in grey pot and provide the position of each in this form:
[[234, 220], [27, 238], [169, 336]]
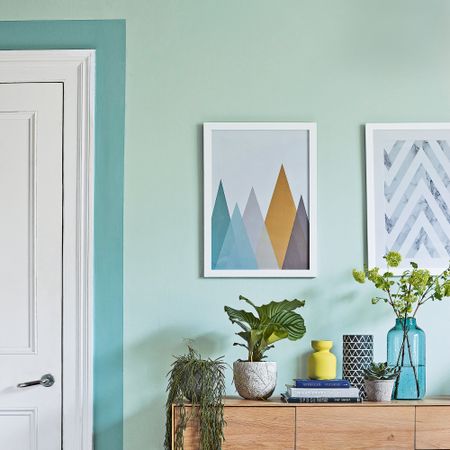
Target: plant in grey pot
[[379, 381], [254, 378]]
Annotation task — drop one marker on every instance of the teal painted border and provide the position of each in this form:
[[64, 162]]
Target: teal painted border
[[108, 38]]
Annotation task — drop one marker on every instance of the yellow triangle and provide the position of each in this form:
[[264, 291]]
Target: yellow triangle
[[280, 217]]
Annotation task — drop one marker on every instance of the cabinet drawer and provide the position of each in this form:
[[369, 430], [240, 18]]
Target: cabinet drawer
[[355, 427], [432, 427], [252, 428]]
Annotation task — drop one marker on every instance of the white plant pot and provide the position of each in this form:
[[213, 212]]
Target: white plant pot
[[255, 380], [379, 390]]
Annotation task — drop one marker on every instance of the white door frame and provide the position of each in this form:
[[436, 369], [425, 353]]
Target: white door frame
[[76, 69]]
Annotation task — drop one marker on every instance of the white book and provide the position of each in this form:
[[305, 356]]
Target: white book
[[318, 393]]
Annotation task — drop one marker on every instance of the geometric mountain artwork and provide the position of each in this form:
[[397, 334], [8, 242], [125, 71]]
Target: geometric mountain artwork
[[259, 210], [417, 198], [250, 242]]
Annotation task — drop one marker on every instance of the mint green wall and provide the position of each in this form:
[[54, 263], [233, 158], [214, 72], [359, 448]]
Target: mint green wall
[[108, 38], [340, 63]]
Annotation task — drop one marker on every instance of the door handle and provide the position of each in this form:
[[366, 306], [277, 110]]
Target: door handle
[[46, 380]]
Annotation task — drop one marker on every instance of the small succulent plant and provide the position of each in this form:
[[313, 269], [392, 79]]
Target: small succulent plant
[[381, 371]]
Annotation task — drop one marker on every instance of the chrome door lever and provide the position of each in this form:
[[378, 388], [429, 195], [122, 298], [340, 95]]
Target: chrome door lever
[[46, 380]]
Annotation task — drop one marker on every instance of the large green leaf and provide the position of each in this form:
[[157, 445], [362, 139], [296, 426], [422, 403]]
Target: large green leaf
[[292, 322], [238, 316], [247, 300], [274, 333], [267, 311]]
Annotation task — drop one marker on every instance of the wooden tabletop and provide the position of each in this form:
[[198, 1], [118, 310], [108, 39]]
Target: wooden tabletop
[[276, 401]]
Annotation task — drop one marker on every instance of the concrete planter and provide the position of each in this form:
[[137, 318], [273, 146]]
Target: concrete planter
[[379, 390], [255, 380]]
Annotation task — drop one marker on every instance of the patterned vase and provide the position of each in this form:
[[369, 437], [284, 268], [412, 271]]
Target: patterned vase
[[357, 356]]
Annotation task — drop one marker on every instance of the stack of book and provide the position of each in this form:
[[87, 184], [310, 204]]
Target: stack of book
[[321, 391]]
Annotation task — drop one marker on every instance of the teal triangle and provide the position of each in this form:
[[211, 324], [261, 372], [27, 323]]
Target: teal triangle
[[220, 221], [236, 252]]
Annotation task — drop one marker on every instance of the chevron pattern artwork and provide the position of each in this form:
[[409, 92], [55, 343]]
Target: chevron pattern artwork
[[417, 197], [357, 356]]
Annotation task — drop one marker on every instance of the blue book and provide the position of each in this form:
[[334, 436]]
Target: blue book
[[322, 384], [285, 398]]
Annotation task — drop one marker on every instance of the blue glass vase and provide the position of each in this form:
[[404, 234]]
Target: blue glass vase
[[406, 349]]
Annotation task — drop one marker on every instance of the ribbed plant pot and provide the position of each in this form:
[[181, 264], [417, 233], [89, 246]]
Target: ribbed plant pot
[[379, 390], [255, 380]]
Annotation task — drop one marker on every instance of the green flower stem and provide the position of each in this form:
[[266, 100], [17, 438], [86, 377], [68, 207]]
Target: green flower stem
[[416, 378], [401, 356]]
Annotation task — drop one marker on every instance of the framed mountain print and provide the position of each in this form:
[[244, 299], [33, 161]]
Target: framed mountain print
[[408, 194], [260, 200]]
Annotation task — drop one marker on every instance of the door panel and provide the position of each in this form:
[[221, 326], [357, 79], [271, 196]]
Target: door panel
[[18, 428], [31, 120], [17, 233]]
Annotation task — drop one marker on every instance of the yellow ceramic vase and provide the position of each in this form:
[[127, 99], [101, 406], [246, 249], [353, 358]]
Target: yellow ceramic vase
[[322, 363]]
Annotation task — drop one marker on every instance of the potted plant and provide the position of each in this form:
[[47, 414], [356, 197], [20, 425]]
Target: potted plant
[[379, 381], [253, 377], [406, 341], [200, 383]]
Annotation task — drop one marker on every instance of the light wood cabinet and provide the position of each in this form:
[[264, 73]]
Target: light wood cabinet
[[273, 425], [354, 427], [433, 427], [247, 428]]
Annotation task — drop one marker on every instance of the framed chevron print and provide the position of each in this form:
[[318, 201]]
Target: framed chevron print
[[259, 199], [408, 193]]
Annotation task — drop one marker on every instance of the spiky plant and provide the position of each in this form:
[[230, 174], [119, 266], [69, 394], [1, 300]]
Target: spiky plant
[[200, 383], [381, 371]]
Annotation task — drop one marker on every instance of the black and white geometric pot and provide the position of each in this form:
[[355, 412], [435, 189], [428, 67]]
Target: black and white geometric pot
[[357, 356]]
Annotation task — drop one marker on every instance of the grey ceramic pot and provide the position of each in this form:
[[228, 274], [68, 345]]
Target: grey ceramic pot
[[379, 390], [255, 380]]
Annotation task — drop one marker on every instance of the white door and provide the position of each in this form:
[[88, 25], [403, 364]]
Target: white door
[[31, 196]]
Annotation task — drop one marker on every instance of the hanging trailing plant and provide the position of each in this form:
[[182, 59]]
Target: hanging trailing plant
[[200, 383]]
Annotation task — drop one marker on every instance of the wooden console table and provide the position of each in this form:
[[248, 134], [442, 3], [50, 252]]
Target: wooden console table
[[273, 425]]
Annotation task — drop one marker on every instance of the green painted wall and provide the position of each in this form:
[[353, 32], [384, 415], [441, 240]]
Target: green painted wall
[[108, 38], [340, 63]]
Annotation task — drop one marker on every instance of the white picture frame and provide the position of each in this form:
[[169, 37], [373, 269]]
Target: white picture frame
[[408, 190], [307, 129]]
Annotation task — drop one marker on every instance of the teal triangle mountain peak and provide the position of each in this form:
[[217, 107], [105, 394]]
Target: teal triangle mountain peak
[[236, 252], [220, 222]]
